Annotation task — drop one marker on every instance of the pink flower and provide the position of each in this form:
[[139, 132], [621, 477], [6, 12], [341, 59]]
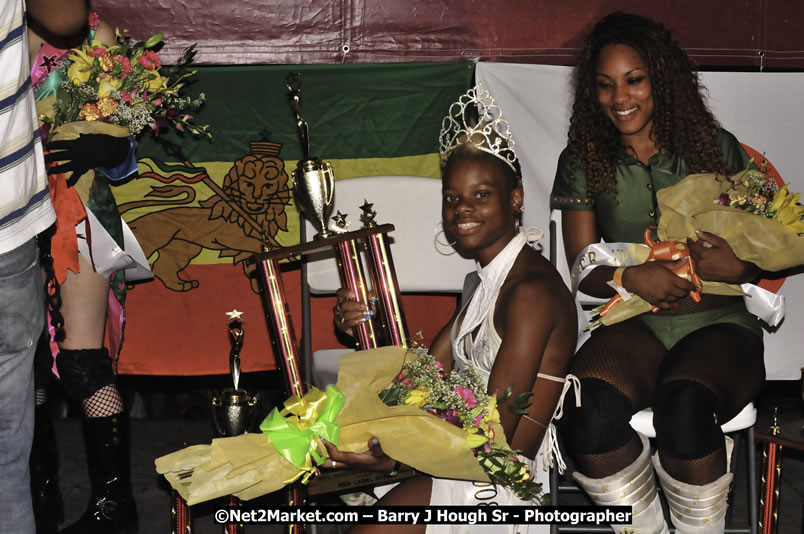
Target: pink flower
[[406, 381], [124, 62], [125, 96], [93, 19], [150, 60], [97, 51], [467, 396], [158, 101]]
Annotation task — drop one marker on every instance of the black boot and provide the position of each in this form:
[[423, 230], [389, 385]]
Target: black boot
[[111, 507], [47, 502]]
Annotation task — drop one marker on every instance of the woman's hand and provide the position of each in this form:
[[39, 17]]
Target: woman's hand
[[372, 460], [349, 313], [656, 282], [715, 260]]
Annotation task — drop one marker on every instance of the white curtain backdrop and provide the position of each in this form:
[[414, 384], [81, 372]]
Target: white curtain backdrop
[[764, 110]]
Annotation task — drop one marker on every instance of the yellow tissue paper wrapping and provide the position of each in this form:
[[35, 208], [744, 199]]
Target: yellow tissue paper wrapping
[[248, 466], [690, 205]]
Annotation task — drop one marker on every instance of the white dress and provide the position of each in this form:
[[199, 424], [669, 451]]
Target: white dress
[[480, 351]]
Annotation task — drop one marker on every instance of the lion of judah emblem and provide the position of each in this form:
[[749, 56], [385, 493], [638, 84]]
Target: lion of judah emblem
[[242, 216]]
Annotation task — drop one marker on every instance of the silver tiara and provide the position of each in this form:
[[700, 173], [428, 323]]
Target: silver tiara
[[476, 120]]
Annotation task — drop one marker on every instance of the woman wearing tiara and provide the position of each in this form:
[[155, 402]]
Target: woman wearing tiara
[[640, 123], [518, 328]]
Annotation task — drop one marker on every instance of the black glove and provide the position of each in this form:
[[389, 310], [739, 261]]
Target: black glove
[[86, 152]]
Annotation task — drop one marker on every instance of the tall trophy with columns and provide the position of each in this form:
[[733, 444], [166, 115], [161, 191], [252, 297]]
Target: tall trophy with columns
[[314, 191]]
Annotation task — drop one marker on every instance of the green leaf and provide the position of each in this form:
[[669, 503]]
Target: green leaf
[[154, 40], [523, 399]]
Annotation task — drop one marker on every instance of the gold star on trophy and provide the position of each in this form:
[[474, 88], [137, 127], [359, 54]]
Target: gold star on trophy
[[234, 314], [340, 221], [368, 214]]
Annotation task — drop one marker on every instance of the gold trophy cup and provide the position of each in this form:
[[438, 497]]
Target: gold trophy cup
[[314, 189], [313, 179]]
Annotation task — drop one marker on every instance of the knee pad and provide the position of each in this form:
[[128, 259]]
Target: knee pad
[[685, 421], [600, 424], [84, 371]]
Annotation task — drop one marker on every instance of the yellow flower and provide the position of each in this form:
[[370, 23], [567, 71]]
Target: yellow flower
[[790, 214], [417, 397], [78, 72], [523, 474], [475, 440], [107, 106], [787, 210], [494, 413], [107, 85], [154, 85], [106, 62], [783, 198], [89, 112]]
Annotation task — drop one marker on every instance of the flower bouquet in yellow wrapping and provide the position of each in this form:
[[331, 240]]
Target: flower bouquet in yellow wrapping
[[760, 219], [419, 429], [124, 84], [763, 223], [120, 91]]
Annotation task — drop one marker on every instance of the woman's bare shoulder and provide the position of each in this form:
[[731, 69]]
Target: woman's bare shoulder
[[535, 291]]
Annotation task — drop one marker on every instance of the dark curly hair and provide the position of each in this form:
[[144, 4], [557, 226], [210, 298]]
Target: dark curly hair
[[682, 123]]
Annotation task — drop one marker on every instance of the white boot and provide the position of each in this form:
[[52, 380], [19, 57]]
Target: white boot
[[697, 509], [633, 486]]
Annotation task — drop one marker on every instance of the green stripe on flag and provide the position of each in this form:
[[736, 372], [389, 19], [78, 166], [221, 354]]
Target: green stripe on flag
[[354, 111]]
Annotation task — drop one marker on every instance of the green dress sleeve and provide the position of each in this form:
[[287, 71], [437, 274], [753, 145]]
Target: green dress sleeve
[[734, 156], [569, 192]]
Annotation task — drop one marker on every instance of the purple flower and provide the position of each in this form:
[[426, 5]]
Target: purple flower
[[450, 416]]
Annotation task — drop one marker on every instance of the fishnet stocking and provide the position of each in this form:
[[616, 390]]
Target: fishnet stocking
[[607, 463], [708, 302], [728, 360], [627, 356], [699, 471], [103, 403], [724, 358]]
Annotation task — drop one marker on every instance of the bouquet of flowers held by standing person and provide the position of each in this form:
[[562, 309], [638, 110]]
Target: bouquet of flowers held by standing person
[[440, 424], [760, 219], [124, 85]]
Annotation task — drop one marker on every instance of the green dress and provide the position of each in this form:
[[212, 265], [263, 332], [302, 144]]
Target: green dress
[[624, 216]]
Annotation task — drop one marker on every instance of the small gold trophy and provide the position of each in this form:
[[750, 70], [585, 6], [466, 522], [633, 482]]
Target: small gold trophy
[[235, 412], [313, 179]]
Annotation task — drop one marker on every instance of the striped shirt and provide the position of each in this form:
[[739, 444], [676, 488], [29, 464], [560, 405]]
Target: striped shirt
[[25, 207]]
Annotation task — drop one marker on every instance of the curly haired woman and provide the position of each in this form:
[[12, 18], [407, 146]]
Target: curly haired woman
[[639, 124]]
